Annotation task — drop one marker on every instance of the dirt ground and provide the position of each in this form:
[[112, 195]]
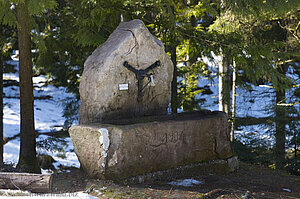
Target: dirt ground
[[250, 181]]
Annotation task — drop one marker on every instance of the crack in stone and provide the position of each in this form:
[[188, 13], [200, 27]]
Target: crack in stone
[[135, 45]]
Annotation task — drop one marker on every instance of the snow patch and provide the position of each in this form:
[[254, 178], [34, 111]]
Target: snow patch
[[48, 114], [186, 182], [287, 190]]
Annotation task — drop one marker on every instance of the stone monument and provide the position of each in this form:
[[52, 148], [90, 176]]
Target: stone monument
[[110, 89], [124, 129]]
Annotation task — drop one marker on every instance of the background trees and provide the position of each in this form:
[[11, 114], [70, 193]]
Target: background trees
[[19, 13], [271, 50], [261, 38]]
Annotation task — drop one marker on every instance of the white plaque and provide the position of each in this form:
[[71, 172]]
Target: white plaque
[[123, 87], [152, 80]]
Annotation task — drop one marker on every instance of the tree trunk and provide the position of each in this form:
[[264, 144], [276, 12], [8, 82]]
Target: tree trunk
[[280, 129], [233, 101], [27, 159], [280, 122], [224, 85], [174, 102], [174, 92], [1, 107]]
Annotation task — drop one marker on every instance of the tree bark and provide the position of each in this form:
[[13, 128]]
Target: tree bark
[[174, 92], [174, 103], [224, 85], [1, 107], [280, 123], [26, 181], [27, 159], [233, 101], [280, 130]]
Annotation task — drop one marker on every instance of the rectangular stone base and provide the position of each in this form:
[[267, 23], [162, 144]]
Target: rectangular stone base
[[120, 151], [218, 167]]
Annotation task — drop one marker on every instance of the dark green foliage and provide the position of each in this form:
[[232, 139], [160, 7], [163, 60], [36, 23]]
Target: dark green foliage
[[264, 156], [259, 150], [297, 92], [53, 143], [257, 154], [70, 33], [293, 165], [7, 15], [189, 91], [46, 161], [261, 9], [71, 111]]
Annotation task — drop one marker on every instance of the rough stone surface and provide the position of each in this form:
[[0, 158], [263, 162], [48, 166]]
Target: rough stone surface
[[103, 72], [111, 151], [233, 163]]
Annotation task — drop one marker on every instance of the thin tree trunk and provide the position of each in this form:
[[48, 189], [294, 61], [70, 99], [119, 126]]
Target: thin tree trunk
[[233, 101], [174, 92], [295, 146], [224, 85], [280, 123], [280, 129], [221, 74], [1, 107], [27, 159]]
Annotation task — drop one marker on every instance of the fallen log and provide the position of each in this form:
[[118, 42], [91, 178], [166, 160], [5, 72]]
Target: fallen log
[[38, 183]]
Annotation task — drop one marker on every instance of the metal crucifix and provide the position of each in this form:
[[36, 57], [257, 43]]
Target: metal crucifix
[[140, 75]]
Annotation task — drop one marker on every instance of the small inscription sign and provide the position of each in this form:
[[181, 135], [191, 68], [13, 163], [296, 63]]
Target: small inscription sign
[[123, 87]]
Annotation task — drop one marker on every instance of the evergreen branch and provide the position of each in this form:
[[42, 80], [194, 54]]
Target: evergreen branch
[[210, 42], [290, 30]]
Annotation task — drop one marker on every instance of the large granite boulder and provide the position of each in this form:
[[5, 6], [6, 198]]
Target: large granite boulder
[[127, 148], [109, 90]]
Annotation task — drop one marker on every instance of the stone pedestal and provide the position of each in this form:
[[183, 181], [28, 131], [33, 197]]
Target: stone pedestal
[[126, 148]]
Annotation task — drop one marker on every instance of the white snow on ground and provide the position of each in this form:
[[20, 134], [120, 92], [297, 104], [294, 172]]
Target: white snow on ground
[[47, 112], [254, 103], [186, 182], [255, 135], [257, 102]]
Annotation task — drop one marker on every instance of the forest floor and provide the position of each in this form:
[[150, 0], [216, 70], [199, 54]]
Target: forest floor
[[250, 181]]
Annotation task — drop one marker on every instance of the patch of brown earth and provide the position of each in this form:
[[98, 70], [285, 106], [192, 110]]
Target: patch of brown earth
[[250, 181]]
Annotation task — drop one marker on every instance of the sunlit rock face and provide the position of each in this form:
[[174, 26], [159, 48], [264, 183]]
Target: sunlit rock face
[[124, 130], [109, 90], [134, 147]]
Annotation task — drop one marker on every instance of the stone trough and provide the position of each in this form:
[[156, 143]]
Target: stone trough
[[126, 148], [127, 77]]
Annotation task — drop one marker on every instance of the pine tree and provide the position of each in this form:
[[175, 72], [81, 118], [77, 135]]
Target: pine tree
[[264, 26], [20, 13], [71, 32]]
